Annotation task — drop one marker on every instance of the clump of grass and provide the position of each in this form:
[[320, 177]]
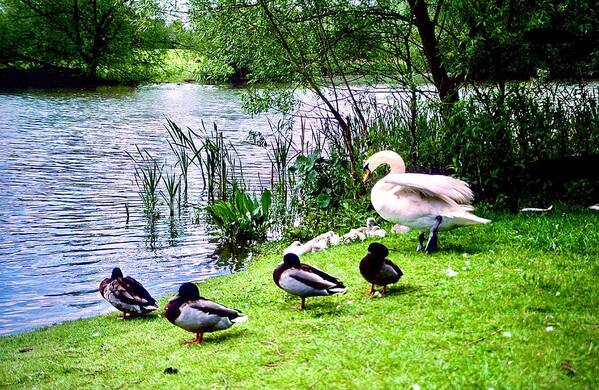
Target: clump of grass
[[148, 175], [285, 201], [172, 184], [208, 151], [499, 322], [179, 148]]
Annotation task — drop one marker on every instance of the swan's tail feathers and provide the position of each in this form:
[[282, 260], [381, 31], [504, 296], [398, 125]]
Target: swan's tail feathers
[[240, 319], [464, 218], [472, 219]]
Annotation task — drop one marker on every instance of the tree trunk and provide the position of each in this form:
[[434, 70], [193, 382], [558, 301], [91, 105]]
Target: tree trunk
[[446, 86]]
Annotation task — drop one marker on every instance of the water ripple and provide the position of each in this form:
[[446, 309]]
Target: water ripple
[[66, 183]]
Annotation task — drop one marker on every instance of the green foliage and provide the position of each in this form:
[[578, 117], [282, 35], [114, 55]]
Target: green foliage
[[492, 139], [256, 101], [243, 218], [499, 40], [321, 181], [99, 38]]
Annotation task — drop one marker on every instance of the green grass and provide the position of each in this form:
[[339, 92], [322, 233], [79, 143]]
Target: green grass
[[432, 330], [188, 65], [178, 65]]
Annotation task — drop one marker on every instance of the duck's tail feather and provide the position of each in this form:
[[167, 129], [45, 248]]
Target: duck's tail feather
[[240, 319], [149, 308], [337, 289]]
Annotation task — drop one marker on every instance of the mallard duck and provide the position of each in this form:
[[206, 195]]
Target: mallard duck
[[126, 294], [420, 201], [189, 311], [377, 269], [304, 280]]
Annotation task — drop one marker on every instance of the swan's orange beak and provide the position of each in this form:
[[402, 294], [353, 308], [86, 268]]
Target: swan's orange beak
[[366, 174]]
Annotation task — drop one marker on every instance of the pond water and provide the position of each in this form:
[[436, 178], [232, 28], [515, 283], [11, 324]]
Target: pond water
[[66, 179]]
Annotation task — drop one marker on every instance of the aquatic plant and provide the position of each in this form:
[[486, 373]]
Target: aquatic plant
[[280, 154], [172, 184], [181, 150], [216, 159], [243, 218], [148, 174]]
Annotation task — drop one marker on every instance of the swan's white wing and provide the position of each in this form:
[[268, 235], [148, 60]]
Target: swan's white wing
[[447, 188]]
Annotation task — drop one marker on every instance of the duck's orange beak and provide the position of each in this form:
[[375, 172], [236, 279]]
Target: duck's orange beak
[[366, 174]]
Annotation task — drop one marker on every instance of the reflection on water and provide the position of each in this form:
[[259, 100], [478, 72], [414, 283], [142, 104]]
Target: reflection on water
[[66, 185]]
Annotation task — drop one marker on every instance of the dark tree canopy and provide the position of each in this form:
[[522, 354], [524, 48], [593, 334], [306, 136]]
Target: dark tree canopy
[[88, 36]]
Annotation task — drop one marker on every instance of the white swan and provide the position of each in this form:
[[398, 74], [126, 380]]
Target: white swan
[[420, 201]]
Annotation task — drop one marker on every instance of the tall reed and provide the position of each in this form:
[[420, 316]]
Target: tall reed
[[172, 184], [216, 159], [179, 146], [148, 174]]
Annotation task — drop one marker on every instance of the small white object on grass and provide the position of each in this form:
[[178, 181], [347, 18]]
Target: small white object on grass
[[537, 209], [415, 386], [376, 294], [372, 230], [334, 238], [557, 294], [594, 207], [400, 229], [354, 235], [549, 329], [507, 334], [297, 248], [451, 273]]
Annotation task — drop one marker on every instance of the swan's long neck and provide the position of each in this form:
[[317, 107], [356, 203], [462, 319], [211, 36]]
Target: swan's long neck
[[388, 157], [397, 165]]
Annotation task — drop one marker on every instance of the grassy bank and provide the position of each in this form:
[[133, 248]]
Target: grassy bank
[[522, 312]]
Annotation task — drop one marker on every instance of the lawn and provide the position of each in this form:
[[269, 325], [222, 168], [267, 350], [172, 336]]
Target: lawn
[[522, 312]]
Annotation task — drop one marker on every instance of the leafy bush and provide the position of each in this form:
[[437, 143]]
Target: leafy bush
[[498, 141], [243, 218]]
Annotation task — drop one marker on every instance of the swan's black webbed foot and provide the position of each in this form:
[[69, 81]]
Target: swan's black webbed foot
[[420, 246], [431, 244]]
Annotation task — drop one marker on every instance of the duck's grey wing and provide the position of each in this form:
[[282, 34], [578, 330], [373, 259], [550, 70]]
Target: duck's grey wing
[[212, 308], [311, 279], [137, 291]]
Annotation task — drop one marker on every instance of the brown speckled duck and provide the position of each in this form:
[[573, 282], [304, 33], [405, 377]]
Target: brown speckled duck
[[189, 311], [127, 294], [377, 269], [304, 280]]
